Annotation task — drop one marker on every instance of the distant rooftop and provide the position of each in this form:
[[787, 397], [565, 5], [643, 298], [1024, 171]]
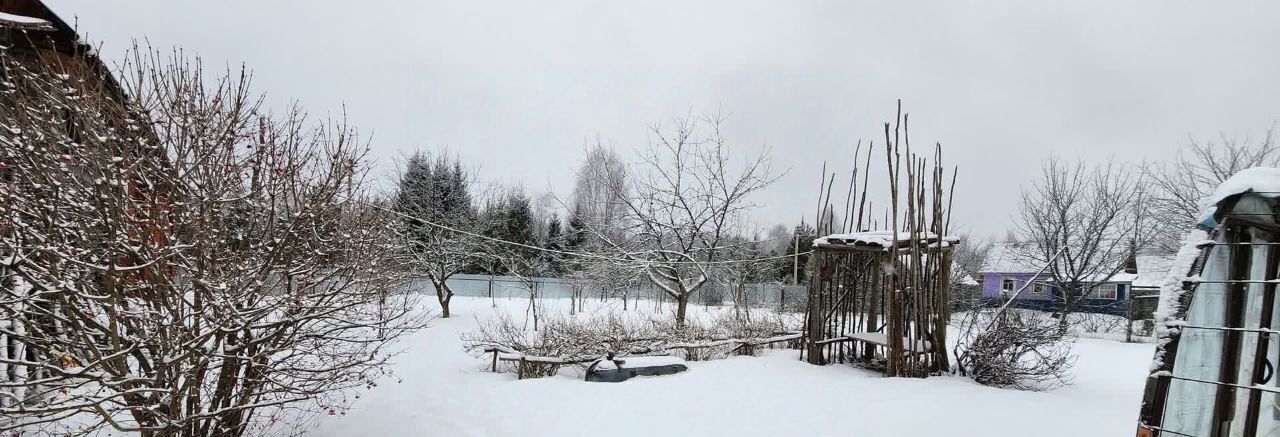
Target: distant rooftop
[[1152, 270], [1005, 258]]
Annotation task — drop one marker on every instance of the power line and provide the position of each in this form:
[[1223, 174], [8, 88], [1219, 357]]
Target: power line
[[579, 254]]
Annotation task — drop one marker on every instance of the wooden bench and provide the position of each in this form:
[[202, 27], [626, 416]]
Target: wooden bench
[[881, 339]]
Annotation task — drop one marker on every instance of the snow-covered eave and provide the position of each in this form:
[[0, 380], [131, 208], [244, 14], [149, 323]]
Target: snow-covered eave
[[1262, 181], [23, 22], [1169, 307]]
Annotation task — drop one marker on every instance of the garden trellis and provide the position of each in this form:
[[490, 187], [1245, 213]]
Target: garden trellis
[[879, 297]]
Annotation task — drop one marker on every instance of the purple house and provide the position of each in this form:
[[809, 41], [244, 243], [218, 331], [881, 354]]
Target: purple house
[[1006, 272]]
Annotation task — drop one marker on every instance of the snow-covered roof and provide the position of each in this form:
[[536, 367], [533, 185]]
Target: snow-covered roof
[[24, 22], [1262, 180], [878, 238], [1010, 258], [1121, 277], [1006, 258], [1152, 270]]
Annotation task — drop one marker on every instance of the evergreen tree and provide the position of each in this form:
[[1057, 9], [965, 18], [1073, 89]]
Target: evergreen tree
[[433, 192], [555, 241], [511, 219], [576, 234], [786, 269], [518, 220]]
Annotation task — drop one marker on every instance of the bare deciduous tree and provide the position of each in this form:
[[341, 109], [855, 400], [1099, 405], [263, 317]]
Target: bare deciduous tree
[[739, 276], [181, 264], [681, 202], [1083, 223], [967, 262], [1195, 172], [596, 201]]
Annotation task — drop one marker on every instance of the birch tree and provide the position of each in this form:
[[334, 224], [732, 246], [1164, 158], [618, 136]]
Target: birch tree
[[599, 195]]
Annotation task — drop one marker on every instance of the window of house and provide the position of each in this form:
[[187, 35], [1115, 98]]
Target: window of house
[[1006, 285], [1104, 291], [1038, 288]]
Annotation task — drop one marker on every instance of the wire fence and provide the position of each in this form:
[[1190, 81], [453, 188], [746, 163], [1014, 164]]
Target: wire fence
[[760, 295]]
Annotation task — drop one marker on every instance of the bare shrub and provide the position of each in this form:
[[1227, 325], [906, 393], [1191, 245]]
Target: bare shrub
[[1018, 351], [577, 341], [1097, 323]]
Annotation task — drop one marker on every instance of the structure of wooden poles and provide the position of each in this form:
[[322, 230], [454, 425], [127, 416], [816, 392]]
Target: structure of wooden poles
[[885, 290]]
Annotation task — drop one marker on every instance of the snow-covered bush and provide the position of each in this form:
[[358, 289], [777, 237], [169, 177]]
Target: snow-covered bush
[[578, 340], [185, 264], [1018, 351]]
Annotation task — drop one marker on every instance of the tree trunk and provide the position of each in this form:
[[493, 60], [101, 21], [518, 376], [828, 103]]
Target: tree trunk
[[573, 300], [682, 304], [1067, 309], [444, 294], [533, 304]]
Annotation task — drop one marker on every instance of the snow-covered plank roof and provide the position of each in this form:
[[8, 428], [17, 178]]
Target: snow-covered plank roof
[[879, 239], [24, 22]]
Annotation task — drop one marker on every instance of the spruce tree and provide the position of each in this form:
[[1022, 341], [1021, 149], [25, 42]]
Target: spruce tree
[[786, 269], [575, 235], [555, 241], [433, 194]]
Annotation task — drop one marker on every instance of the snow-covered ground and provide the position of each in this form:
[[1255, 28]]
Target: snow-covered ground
[[444, 391]]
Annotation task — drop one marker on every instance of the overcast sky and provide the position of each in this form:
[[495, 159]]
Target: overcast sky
[[516, 89]]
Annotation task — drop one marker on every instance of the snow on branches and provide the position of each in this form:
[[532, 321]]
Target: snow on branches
[[679, 206], [181, 263]]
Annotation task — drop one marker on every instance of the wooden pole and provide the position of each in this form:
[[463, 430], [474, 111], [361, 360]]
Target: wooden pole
[[795, 263], [814, 309]]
